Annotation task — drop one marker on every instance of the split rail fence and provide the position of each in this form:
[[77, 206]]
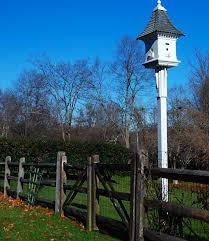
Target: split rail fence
[[124, 200]]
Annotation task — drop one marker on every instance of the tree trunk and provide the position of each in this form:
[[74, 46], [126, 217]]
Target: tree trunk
[[127, 140], [63, 132]]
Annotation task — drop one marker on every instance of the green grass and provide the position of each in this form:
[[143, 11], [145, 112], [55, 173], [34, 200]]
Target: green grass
[[17, 222], [188, 198], [122, 184]]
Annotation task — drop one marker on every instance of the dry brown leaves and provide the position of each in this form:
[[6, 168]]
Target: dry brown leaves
[[193, 187], [11, 203]]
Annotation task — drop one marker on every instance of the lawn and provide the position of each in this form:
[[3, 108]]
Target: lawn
[[20, 222], [187, 194]]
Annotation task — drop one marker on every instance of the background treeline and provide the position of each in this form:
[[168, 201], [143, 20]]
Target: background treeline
[[77, 151], [90, 100]]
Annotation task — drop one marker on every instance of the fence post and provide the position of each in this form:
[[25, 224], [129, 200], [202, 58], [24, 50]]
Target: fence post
[[137, 196], [95, 198], [60, 180], [7, 173], [133, 199], [89, 223], [21, 174], [92, 201], [64, 181]]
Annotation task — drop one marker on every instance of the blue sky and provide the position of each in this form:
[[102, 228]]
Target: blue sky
[[73, 29]]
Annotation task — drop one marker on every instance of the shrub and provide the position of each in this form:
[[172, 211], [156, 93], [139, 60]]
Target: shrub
[[76, 151]]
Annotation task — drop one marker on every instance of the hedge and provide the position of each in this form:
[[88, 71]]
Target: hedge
[[76, 151]]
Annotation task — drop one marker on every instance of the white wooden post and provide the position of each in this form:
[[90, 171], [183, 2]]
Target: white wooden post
[[160, 39], [21, 174], [7, 173], [161, 86], [60, 180]]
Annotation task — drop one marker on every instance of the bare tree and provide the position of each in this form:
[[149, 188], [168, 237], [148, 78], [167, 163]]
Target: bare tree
[[99, 78], [9, 110], [69, 85], [200, 82], [131, 78], [32, 95], [187, 139]]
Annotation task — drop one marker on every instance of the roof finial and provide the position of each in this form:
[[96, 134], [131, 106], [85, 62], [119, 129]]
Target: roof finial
[[159, 6]]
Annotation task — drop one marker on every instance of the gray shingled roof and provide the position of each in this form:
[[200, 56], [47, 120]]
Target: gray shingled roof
[[160, 23]]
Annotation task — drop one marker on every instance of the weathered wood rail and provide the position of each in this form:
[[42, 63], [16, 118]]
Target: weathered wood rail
[[181, 175], [131, 227], [156, 236]]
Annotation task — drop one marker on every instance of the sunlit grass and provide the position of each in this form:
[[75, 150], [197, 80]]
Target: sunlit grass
[[189, 198], [18, 222]]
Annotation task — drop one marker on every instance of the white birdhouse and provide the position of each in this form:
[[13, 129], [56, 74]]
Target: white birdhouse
[[160, 37]]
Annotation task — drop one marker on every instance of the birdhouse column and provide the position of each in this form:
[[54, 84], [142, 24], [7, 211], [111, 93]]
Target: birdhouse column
[[161, 87], [160, 37]]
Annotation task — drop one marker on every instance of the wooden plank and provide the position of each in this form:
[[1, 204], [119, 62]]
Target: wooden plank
[[115, 167], [13, 164], [7, 173], [92, 204], [14, 173], [74, 167], [60, 180], [179, 210], [70, 212], [107, 225], [118, 195], [21, 173], [113, 227], [89, 221], [77, 189], [72, 194], [40, 165], [132, 229], [45, 182], [12, 178], [116, 202], [72, 177], [52, 175], [111, 167], [155, 236], [182, 174], [95, 184], [141, 159], [126, 217]]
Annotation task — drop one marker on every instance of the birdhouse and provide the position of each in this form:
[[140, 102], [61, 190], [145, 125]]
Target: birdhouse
[[160, 37]]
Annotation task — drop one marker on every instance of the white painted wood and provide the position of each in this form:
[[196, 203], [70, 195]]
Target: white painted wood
[[7, 173], [161, 51], [161, 55], [159, 6], [21, 174], [161, 87]]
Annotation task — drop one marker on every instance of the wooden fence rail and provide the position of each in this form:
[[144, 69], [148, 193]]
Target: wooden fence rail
[[181, 175], [132, 225], [177, 210]]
